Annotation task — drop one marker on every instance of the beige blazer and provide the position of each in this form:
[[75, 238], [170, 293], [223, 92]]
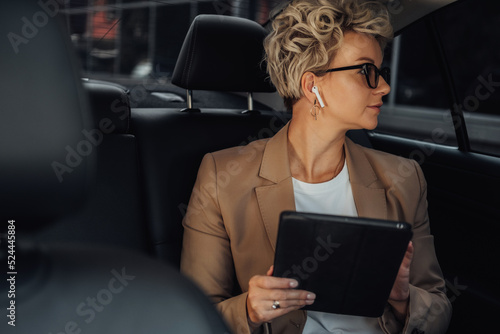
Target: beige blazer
[[231, 225]]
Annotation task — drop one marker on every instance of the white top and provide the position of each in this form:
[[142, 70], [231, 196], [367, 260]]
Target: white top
[[332, 197]]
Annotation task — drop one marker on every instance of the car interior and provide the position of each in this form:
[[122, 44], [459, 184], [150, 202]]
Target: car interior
[[97, 174]]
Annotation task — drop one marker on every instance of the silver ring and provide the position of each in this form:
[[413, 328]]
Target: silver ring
[[276, 305]]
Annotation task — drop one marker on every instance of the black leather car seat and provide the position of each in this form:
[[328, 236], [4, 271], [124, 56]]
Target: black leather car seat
[[219, 53], [69, 288]]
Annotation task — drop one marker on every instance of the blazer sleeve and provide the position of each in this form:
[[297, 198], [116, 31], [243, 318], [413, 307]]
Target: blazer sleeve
[[429, 308], [206, 254]]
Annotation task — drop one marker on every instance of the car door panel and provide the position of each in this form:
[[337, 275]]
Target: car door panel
[[464, 211]]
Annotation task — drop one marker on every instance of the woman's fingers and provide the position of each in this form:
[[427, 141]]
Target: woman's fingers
[[400, 290], [266, 291], [270, 282], [408, 256], [290, 295], [262, 310], [270, 271]]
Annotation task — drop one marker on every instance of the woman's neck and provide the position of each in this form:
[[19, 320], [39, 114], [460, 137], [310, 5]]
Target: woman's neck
[[316, 154]]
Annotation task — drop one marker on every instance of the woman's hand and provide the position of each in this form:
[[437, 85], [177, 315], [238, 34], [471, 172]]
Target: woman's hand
[[263, 291], [400, 292]]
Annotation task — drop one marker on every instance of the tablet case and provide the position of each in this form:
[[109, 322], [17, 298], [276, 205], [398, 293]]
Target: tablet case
[[350, 263]]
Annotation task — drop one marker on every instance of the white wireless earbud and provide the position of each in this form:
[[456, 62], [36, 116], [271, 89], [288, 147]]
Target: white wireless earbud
[[315, 91]]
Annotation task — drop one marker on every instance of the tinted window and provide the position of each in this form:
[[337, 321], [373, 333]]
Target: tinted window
[[417, 106], [136, 43], [471, 39]]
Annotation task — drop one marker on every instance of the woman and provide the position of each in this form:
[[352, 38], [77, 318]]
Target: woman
[[324, 58]]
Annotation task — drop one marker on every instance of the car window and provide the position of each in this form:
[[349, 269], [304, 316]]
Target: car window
[[417, 106], [471, 41], [420, 104], [135, 43]]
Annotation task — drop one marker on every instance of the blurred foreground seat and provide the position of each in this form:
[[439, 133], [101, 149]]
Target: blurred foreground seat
[[113, 213], [46, 167]]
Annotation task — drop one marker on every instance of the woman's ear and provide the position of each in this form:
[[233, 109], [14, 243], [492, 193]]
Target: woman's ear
[[307, 82]]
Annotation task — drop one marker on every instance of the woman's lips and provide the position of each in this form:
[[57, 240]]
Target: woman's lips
[[376, 107]]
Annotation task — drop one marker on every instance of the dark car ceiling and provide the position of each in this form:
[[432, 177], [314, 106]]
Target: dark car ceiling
[[405, 12]]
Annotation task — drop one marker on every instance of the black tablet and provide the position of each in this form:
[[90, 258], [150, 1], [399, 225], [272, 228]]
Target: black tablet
[[350, 263]]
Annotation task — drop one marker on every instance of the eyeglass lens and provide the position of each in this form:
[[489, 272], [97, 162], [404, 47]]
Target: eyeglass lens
[[372, 75]]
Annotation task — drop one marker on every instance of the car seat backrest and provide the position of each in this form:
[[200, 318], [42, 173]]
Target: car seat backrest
[[110, 106], [171, 146]]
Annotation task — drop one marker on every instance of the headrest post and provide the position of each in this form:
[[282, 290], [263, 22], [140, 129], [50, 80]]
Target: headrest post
[[250, 109], [250, 100], [189, 93], [189, 108]]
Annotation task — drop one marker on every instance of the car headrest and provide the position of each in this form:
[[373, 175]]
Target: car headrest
[[109, 105], [223, 53], [45, 157]]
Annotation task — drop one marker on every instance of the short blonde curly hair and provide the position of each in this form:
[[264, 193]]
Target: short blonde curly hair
[[307, 33]]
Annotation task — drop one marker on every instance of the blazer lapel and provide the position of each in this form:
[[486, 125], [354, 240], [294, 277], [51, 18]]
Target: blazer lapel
[[273, 200], [369, 195], [277, 196]]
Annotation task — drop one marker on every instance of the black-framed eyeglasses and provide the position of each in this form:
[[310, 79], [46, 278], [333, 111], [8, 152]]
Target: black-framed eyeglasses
[[371, 72]]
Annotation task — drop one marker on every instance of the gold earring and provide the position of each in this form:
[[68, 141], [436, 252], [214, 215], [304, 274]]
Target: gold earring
[[315, 110]]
